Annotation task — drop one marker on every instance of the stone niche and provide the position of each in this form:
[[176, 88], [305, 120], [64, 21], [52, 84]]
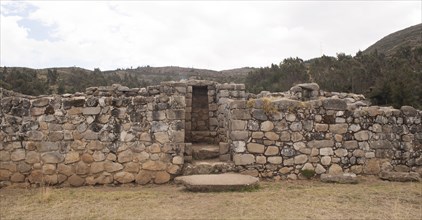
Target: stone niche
[[200, 115], [200, 110]]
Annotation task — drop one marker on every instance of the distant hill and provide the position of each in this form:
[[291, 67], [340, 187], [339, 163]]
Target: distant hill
[[388, 45], [74, 79], [388, 72], [392, 76]]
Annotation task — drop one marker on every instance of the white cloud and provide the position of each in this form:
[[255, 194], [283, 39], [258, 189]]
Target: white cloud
[[214, 35]]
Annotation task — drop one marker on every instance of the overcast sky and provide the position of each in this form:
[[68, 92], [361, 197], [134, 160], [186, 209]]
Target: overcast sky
[[213, 35]]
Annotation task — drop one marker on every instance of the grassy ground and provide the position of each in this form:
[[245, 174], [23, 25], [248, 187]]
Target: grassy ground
[[370, 199]]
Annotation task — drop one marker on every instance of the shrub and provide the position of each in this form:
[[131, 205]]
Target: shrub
[[307, 173]]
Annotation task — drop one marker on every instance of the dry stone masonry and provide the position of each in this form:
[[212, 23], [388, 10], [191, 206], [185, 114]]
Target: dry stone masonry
[[117, 135]]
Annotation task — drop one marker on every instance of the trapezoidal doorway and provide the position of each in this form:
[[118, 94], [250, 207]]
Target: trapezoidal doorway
[[200, 129]]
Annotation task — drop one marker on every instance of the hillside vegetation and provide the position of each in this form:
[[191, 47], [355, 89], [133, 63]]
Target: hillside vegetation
[[73, 79], [388, 72], [395, 80], [388, 45]]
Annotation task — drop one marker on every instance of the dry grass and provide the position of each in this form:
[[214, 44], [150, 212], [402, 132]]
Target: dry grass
[[371, 199]]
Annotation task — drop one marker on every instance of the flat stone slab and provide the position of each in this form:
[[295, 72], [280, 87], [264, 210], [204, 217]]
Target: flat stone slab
[[218, 182], [400, 176], [344, 178], [207, 167], [205, 151]]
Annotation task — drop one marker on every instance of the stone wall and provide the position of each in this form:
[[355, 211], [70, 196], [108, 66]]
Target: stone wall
[[277, 137], [108, 135], [115, 134]]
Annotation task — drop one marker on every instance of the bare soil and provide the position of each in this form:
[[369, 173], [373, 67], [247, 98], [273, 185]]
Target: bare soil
[[301, 199]]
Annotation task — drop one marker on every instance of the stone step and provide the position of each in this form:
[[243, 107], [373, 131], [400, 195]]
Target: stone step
[[218, 182], [207, 167], [205, 151]]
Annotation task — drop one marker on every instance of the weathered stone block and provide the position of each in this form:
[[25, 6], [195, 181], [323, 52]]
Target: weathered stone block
[[98, 156], [319, 169], [124, 177], [239, 135], [17, 178], [326, 151], [261, 159], [224, 147], [91, 110], [241, 114], [73, 102], [350, 145], [175, 114], [124, 156], [239, 146], [272, 136], [339, 128], [37, 111], [49, 169], [75, 180], [31, 157], [359, 153], [5, 175], [154, 165], [343, 178], [334, 104], [272, 150], [341, 152], [35, 135], [162, 137], [178, 160], [72, 157], [18, 155], [161, 177], [112, 166], [267, 126], [321, 143], [259, 114], [52, 157], [65, 169], [285, 170], [158, 115], [400, 176], [81, 168], [409, 110], [4, 156], [362, 135], [97, 167], [255, 148], [380, 144], [285, 136], [275, 160], [158, 126], [238, 125], [335, 169], [300, 159], [296, 126], [144, 177], [372, 166], [243, 159], [40, 102]]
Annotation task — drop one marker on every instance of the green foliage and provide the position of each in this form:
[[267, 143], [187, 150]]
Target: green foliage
[[277, 77], [24, 81], [307, 173], [395, 80]]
